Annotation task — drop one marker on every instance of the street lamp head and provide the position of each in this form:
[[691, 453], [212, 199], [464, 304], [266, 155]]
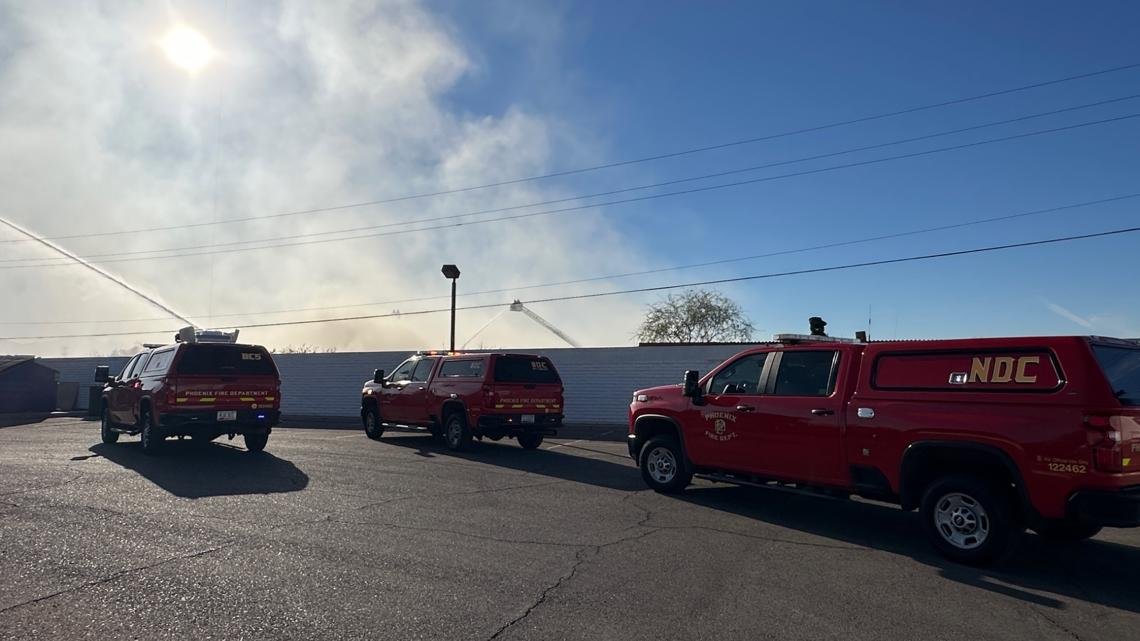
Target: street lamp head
[[451, 271]]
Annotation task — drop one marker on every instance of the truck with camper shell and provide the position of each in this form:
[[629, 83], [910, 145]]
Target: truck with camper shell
[[984, 437], [202, 386], [467, 396]]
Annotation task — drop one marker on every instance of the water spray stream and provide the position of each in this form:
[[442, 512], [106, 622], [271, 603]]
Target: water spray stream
[[105, 274]]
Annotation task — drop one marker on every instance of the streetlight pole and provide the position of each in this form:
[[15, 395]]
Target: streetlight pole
[[452, 272]]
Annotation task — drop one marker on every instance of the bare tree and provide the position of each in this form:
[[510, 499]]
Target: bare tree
[[695, 316]]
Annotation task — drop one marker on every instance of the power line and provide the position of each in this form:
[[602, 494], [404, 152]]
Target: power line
[[123, 256], [612, 192], [611, 165], [723, 261], [640, 290]]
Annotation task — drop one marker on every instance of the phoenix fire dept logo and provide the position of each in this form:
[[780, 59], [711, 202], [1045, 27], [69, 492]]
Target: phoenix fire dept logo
[[720, 428]]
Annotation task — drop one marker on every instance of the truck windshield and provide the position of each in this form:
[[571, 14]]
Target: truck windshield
[[1122, 367], [226, 360], [525, 369]]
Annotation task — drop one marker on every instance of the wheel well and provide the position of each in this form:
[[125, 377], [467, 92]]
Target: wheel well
[[449, 408], [647, 427], [924, 463]]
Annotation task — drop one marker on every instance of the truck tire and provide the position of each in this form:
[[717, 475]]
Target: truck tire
[[663, 465], [152, 439], [373, 428], [970, 520], [530, 441], [455, 433], [1065, 531], [256, 442], [108, 435]]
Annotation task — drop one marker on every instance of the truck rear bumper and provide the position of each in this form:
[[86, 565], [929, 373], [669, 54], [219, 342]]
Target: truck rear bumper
[[513, 425], [1112, 508], [194, 422]]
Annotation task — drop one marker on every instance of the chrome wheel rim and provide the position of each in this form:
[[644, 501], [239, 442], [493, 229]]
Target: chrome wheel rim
[[454, 433], [661, 465], [962, 521]]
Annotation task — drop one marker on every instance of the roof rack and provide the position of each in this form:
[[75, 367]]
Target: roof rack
[[194, 335]]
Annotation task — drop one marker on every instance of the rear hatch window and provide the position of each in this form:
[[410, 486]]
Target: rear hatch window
[[1121, 365], [226, 360], [525, 369]]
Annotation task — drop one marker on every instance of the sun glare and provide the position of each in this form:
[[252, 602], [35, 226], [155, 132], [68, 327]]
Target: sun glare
[[188, 49]]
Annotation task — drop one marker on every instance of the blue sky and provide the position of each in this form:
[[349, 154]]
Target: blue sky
[[650, 77]]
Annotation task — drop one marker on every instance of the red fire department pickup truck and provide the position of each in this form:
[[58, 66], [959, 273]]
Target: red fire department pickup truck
[[466, 396], [203, 386], [985, 437]]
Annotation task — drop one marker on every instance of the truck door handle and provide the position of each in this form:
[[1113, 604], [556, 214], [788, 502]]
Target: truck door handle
[[745, 408], [820, 412]]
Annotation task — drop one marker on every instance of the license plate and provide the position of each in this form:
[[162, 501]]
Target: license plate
[[227, 415], [527, 418]]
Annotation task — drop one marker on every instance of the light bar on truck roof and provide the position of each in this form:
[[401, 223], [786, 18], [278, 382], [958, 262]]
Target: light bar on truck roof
[[792, 339]]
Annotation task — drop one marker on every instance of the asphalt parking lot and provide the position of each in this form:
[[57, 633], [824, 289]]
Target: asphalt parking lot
[[328, 535]]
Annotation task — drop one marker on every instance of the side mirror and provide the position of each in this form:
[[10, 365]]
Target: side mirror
[[102, 373], [691, 386], [378, 377]]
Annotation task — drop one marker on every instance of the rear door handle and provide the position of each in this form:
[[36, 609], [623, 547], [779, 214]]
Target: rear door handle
[[745, 408], [819, 412]]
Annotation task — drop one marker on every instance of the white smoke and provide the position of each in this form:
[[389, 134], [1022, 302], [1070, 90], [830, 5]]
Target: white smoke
[[307, 104]]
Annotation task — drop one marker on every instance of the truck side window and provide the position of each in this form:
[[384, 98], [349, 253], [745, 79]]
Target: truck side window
[[137, 368], [404, 371], [423, 369], [159, 361], [125, 374], [740, 377], [805, 374]]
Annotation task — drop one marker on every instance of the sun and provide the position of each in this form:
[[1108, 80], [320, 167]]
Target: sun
[[188, 49]]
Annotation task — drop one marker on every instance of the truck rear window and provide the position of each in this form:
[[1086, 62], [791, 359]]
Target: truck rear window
[[525, 369], [226, 360], [1122, 367]]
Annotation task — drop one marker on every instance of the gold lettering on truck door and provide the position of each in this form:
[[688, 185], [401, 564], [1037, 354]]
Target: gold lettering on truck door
[[980, 370], [1022, 363], [1003, 370]]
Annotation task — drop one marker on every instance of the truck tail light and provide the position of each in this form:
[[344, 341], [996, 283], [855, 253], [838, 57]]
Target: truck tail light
[[168, 391], [488, 394], [1106, 443]]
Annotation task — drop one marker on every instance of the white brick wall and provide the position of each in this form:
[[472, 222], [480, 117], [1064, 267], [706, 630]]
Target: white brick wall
[[599, 380]]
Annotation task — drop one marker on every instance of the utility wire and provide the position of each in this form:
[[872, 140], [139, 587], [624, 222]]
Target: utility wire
[[123, 257], [622, 163], [723, 261], [640, 290], [612, 192]]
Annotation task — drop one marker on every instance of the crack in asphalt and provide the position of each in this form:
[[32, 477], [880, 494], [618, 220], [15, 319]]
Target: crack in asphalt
[[580, 558], [48, 487], [470, 535], [120, 573], [1056, 624]]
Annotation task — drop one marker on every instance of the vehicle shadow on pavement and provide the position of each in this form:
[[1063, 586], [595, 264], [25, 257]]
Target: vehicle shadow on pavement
[[1094, 571], [614, 475], [198, 470]]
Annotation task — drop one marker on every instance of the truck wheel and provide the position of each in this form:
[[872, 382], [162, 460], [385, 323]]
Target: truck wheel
[[530, 441], [108, 435], [969, 520], [256, 442], [456, 434], [663, 465], [1064, 531], [151, 437], [372, 426]]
